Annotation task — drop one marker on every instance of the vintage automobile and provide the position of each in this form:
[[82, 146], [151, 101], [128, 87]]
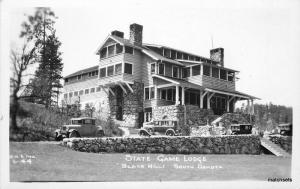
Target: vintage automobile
[[79, 127], [238, 129], [285, 129], [164, 127]]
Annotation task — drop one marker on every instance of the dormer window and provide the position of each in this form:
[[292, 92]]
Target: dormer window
[[103, 53], [111, 50]]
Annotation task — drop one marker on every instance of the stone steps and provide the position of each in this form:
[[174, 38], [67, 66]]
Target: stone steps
[[274, 148]]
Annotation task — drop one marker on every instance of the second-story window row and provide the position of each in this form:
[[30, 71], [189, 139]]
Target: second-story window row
[[115, 49], [82, 92], [116, 69]]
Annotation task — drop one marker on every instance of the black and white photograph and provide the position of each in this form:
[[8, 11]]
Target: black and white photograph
[[150, 94]]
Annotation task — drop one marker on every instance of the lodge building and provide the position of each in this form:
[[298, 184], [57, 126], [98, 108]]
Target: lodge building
[[136, 82]]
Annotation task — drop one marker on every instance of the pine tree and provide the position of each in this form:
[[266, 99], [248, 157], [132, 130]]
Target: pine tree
[[46, 84]]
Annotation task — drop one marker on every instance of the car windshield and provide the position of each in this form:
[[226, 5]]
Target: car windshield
[[89, 121]]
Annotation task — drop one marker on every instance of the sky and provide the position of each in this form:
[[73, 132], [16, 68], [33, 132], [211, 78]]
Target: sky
[[261, 38]]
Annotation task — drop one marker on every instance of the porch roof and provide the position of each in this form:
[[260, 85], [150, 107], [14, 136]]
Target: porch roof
[[195, 86], [232, 93]]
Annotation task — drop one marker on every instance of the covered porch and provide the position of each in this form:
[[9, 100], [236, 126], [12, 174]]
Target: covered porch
[[169, 91]]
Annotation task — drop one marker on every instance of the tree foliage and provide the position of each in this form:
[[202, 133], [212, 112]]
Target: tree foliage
[[269, 116]]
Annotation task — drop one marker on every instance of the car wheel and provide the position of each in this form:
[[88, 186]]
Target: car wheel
[[74, 134], [170, 133]]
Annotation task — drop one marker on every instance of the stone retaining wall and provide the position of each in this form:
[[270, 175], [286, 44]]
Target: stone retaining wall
[[239, 144], [285, 142]]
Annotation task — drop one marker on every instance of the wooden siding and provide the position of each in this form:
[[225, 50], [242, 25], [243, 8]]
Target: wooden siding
[[136, 61], [146, 70], [98, 99], [111, 79], [111, 60], [212, 82]]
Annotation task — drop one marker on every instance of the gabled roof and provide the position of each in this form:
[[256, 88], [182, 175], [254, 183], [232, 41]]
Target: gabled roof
[[94, 68], [163, 46], [157, 56]]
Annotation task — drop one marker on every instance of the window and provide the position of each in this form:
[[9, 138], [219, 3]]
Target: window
[[96, 73], [128, 50], [173, 94], [152, 92], [175, 71], [65, 95], [119, 48], [186, 72], [128, 68], [86, 91], [185, 56], [173, 54], [110, 70], [90, 74], [163, 94], [118, 68], [81, 92], [161, 69], [93, 73], [169, 94], [111, 50], [66, 80], [92, 90], [98, 89], [215, 72], [102, 72], [147, 93], [230, 76], [76, 93], [223, 74], [167, 53], [206, 70], [196, 70], [70, 94], [153, 68], [103, 53], [179, 55], [78, 77], [148, 116]]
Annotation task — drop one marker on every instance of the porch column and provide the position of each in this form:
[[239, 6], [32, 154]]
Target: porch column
[[229, 99], [182, 95], [177, 95], [155, 92], [201, 99], [208, 100]]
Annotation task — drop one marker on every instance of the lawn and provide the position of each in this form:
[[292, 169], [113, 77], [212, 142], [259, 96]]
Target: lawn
[[47, 161]]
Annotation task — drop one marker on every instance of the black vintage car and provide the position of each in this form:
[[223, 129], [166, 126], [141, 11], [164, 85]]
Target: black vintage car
[[238, 129], [163, 127], [285, 129]]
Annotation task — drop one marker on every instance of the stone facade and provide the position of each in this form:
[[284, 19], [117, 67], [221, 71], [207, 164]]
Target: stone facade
[[239, 144], [130, 104], [195, 116]]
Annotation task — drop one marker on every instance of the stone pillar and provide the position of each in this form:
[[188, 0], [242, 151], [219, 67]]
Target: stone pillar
[[182, 96], [177, 95]]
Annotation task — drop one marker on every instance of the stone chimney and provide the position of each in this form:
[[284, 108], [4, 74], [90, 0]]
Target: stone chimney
[[217, 55], [117, 33], [136, 34]]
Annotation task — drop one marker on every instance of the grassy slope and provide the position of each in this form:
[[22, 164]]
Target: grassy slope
[[56, 163]]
